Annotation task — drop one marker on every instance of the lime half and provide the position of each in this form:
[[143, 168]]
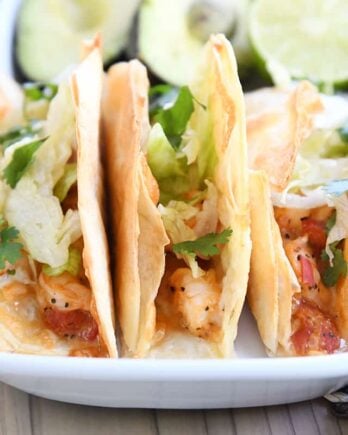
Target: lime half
[[307, 38]]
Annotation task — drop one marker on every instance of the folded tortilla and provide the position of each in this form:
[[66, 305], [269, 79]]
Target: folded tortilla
[[148, 297], [50, 304], [296, 313]]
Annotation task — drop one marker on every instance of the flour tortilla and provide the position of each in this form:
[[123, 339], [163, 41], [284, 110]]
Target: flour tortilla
[[272, 281], [278, 121], [22, 328], [139, 234], [87, 89]]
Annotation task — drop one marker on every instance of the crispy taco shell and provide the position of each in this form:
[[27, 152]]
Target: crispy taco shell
[[139, 236], [278, 123], [24, 329], [90, 193]]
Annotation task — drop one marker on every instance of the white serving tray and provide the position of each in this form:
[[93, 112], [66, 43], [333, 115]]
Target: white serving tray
[[176, 384], [251, 379]]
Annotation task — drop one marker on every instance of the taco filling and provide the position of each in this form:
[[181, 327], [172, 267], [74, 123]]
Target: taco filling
[[199, 206], [309, 291], [183, 160], [314, 312], [47, 305]]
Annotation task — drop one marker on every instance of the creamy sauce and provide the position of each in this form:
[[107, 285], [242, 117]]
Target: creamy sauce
[[47, 314]]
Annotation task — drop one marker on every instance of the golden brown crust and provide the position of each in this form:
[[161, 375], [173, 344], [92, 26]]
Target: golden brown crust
[[87, 100]]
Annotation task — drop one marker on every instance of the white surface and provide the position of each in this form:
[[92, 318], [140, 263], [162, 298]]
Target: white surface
[[251, 379]]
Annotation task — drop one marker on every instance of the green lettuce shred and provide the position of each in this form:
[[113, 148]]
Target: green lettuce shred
[[64, 184], [73, 265]]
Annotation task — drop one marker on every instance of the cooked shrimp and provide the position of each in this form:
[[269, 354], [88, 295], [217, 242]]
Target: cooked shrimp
[[63, 292], [306, 269], [197, 301]]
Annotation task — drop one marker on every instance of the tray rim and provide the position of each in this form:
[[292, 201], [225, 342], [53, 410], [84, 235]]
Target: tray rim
[[159, 370]]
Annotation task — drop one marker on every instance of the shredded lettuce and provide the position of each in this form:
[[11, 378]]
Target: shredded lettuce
[[31, 206], [169, 168], [161, 157], [185, 223], [73, 265], [68, 179], [45, 231], [174, 217], [186, 121], [326, 143], [311, 173]]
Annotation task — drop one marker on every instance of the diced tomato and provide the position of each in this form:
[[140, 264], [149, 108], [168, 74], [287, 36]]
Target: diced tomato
[[78, 323], [307, 273], [316, 233], [313, 330]]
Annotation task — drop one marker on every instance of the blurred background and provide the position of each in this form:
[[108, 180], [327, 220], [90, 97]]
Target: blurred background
[[273, 41]]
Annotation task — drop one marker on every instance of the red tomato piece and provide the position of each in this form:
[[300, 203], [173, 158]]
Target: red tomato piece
[[79, 323], [314, 330], [316, 233]]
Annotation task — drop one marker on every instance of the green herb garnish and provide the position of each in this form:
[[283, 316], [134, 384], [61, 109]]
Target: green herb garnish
[[18, 133], [21, 159], [206, 245], [338, 269], [161, 96], [174, 119], [10, 250], [39, 91], [330, 222]]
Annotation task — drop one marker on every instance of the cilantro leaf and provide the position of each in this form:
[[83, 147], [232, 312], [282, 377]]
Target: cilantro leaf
[[331, 274], [10, 250], [21, 159], [39, 91], [9, 234], [18, 133], [161, 96], [337, 187], [174, 119], [160, 90], [205, 245], [330, 222]]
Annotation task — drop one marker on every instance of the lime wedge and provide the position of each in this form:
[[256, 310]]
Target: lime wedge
[[307, 38]]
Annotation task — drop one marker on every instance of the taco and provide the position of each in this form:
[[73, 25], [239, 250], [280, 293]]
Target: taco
[[178, 187], [55, 286], [298, 289]]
